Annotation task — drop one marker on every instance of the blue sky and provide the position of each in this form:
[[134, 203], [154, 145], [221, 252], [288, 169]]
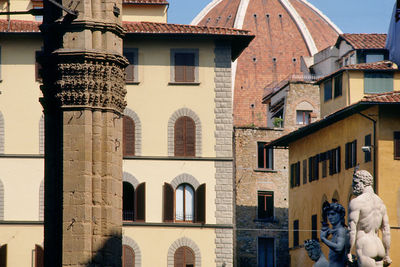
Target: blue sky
[[351, 16]]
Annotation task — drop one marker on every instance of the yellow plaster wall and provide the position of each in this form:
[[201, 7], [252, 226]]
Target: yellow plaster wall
[[21, 240], [330, 106], [156, 173], [153, 13], [204, 239], [306, 199], [357, 86], [21, 179], [19, 89], [154, 100]]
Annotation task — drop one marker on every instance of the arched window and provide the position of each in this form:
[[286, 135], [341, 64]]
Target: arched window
[[128, 136], [128, 256], [185, 137], [184, 203], [184, 257], [133, 203], [39, 256]]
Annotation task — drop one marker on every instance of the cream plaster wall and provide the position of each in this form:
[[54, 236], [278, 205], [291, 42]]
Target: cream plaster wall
[[153, 13], [156, 173], [21, 179], [154, 100], [19, 99], [204, 239], [17, 5], [21, 240]]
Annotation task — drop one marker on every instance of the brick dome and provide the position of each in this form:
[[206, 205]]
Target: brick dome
[[284, 29]]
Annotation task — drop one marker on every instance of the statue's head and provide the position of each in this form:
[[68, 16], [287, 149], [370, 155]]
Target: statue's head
[[313, 249], [335, 213], [361, 179]]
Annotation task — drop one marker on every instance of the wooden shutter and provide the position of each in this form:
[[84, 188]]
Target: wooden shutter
[[3, 256], [354, 156], [338, 159], [310, 169], [39, 256], [298, 173], [330, 157], [316, 167], [168, 203], [396, 145], [304, 171], [185, 137], [184, 67], [140, 201], [292, 175], [128, 256], [128, 136], [130, 69], [184, 257], [200, 205]]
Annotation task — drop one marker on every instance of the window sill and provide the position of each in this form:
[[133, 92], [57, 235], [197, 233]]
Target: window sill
[[184, 83], [132, 83], [265, 170], [268, 220]]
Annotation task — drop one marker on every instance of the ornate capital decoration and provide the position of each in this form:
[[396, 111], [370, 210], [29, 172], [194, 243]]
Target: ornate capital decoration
[[85, 79]]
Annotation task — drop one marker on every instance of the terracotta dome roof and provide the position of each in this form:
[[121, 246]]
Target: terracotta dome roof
[[285, 30]]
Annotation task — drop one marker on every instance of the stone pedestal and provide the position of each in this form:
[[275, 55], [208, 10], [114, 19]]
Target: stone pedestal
[[83, 100]]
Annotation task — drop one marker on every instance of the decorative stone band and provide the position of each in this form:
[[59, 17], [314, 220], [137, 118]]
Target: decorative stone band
[[85, 79]]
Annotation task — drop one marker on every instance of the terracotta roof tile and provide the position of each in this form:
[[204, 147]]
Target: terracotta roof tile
[[166, 28], [19, 26], [390, 97], [365, 40], [379, 65], [146, 2]]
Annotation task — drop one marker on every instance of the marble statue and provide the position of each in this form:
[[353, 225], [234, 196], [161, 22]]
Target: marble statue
[[335, 213], [367, 214], [315, 253]]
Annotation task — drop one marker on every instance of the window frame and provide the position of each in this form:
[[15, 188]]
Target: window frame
[[351, 154], [267, 157], [372, 76], [185, 138], [184, 204], [328, 81], [306, 117], [267, 195], [173, 52], [338, 85], [135, 64], [128, 151]]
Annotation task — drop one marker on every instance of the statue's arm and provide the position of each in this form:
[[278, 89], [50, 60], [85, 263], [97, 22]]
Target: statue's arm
[[340, 241], [385, 227], [354, 215]]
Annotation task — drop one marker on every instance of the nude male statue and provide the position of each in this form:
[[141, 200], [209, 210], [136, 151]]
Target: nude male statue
[[367, 214], [315, 253]]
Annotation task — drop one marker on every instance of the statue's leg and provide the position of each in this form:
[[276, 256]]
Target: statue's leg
[[365, 261]]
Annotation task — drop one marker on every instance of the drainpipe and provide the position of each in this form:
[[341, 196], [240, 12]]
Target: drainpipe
[[374, 146]]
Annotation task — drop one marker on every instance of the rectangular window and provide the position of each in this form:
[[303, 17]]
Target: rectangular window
[[304, 171], [314, 227], [295, 174], [373, 58], [184, 65], [396, 145], [351, 154], [303, 117], [266, 252], [323, 159], [328, 90], [265, 157], [334, 161], [295, 233], [378, 82], [367, 155], [265, 205], [131, 70], [338, 85], [313, 168]]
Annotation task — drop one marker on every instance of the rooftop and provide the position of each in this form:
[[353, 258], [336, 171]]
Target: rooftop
[[365, 40], [146, 2]]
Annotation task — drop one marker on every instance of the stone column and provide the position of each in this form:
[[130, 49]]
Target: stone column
[[83, 101]]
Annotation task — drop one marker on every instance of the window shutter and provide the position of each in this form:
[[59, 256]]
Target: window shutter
[[179, 257], [128, 256], [292, 175], [339, 161], [354, 163], [190, 137], [128, 136], [310, 170], [316, 166], [185, 137], [397, 145], [298, 173], [3, 256], [140, 202], [168, 203], [200, 215], [304, 171], [179, 67], [330, 157], [39, 256], [189, 67], [189, 257]]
